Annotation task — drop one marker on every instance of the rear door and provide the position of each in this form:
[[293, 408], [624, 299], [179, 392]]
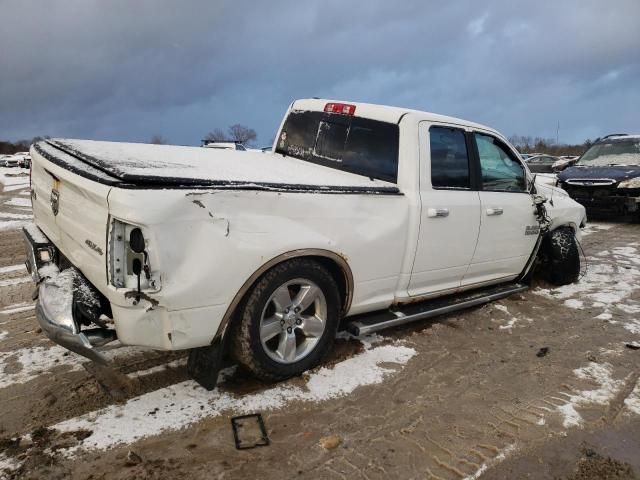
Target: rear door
[[508, 226], [450, 215]]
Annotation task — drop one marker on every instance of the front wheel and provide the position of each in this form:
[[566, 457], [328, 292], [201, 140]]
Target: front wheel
[[288, 322], [564, 257]]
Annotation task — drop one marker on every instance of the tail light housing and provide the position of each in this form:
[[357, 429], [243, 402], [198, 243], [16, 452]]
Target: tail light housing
[[122, 256]]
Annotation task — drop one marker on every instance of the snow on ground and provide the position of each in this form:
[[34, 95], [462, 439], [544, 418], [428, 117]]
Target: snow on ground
[[632, 402], [18, 202], [181, 362], [504, 453], [574, 303], [13, 224], [15, 281], [20, 267], [185, 403], [15, 216], [33, 362], [3, 335], [594, 227], [14, 176], [608, 387], [7, 463], [19, 186], [17, 308], [512, 320], [605, 285]]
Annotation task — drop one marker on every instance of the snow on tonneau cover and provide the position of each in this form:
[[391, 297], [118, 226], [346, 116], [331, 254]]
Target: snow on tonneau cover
[[81, 173], [136, 164]]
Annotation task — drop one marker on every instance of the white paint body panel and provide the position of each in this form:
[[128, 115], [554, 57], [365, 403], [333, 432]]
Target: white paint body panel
[[503, 249], [449, 228], [203, 245]]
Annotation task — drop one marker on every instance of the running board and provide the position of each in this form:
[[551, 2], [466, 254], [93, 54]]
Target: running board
[[369, 323]]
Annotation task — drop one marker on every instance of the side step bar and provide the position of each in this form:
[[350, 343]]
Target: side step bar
[[369, 323]]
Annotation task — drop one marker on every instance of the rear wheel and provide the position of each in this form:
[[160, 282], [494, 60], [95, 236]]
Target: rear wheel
[[288, 322], [563, 256]]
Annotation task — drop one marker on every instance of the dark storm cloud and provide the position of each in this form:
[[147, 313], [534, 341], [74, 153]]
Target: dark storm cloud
[[126, 70]]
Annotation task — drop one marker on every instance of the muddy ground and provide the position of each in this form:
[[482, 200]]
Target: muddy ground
[[540, 385]]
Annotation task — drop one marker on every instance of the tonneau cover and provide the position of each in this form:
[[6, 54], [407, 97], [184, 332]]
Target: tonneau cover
[[138, 165]]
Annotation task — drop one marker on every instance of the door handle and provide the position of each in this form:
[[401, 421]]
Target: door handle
[[494, 211], [437, 212]]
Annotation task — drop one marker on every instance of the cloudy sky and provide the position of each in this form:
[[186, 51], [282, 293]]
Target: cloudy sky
[[127, 70]]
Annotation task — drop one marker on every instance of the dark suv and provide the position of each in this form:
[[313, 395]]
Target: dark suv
[[606, 178]]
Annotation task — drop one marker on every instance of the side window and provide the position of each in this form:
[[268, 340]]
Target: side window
[[449, 158], [500, 170]]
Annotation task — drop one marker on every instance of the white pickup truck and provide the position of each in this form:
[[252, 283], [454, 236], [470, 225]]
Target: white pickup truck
[[373, 214]]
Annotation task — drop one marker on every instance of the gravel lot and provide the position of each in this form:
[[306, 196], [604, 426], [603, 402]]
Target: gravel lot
[[539, 385]]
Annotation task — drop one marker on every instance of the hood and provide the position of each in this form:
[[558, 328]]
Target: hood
[[138, 165], [614, 172]]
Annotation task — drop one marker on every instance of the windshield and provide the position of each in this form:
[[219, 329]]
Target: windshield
[[618, 152]]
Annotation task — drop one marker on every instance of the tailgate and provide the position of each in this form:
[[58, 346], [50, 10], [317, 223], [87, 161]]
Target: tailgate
[[73, 212]]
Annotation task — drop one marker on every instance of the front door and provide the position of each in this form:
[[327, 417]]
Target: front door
[[508, 225], [450, 210]]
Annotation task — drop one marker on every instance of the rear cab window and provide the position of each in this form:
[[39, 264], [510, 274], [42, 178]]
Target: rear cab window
[[350, 143]]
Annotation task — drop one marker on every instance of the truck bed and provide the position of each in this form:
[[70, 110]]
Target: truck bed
[[138, 165]]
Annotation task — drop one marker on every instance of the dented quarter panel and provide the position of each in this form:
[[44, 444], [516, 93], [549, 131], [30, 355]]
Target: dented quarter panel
[[206, 244]]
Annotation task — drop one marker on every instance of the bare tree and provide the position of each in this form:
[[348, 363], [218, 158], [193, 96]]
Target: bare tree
[[158, 140], [216, 135], [242, 133]]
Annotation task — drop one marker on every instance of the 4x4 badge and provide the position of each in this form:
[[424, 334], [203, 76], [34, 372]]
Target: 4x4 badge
[[55, 201]]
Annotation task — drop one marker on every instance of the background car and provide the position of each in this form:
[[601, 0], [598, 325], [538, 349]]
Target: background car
[[606, 178], [25, 161], [234, 145], [541, 163], [10, 161]]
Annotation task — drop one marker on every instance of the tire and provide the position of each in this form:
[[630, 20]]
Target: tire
[[275, 341], [564, 257]]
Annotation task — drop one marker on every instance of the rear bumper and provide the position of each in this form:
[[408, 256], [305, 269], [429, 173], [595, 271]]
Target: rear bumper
[[55, 302]]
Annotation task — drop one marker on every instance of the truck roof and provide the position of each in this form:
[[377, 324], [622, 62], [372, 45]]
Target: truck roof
[[385, 113]]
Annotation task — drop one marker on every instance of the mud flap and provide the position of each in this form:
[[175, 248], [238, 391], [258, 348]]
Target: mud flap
[[204, 364]]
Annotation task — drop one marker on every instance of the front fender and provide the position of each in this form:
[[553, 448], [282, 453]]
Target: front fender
[[562, 210]]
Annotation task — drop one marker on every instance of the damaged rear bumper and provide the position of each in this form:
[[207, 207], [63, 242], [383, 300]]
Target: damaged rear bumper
[[55, 301]]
